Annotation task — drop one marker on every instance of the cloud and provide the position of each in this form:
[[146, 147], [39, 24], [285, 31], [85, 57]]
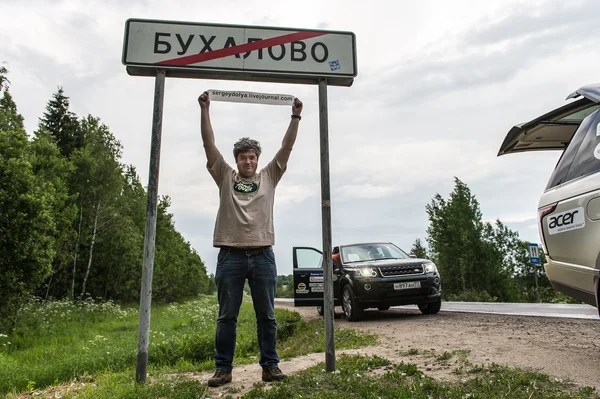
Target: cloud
[[439, 86], [493, 52]]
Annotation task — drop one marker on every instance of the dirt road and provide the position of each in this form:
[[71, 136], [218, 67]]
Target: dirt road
[[567, 349]]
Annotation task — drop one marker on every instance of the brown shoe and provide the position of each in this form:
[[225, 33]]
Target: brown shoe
[[220, 378], [273, 374]]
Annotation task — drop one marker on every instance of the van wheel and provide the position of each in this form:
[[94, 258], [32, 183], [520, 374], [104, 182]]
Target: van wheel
[[431, 308], [351, 309]]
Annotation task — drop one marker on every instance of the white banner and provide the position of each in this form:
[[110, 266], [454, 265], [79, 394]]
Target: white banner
[[250, 97]]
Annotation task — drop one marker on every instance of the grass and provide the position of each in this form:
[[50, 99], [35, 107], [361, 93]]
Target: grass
[[61, 341], [355, 379], [87, 351]]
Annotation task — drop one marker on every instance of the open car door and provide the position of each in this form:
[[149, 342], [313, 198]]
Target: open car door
[[553, 130], [308, 276]]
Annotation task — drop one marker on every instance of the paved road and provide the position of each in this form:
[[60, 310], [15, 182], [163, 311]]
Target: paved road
[[522, 309]]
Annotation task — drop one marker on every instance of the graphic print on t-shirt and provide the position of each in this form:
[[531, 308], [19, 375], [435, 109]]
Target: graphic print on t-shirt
[[244, 191]]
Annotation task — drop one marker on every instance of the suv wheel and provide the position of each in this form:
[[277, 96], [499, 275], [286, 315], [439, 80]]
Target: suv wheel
[[382, 308], [431, 308], [351, 309], [320, 310]]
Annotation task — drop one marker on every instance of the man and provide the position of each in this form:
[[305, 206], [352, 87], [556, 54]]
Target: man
[[245, 235]]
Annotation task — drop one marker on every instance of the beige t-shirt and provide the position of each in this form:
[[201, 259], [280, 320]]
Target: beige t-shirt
[[245, 217]]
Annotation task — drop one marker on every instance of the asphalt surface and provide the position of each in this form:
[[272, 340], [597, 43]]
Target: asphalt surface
[[520, 309]]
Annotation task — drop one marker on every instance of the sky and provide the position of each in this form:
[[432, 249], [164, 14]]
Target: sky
[[439, 85]]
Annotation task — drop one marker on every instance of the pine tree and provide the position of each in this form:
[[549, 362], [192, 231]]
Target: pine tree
[[62, 124], [455, 239], [418, 250]]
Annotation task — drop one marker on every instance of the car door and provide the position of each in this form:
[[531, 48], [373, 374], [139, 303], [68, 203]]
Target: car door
[[308, 277]]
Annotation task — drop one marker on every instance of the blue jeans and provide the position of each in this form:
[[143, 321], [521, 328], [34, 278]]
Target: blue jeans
[[234, 266]]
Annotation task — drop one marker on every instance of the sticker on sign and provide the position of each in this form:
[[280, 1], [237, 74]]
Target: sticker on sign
[[250, 97], [239, 52]]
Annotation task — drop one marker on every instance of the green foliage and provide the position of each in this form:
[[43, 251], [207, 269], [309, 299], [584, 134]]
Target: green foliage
[[285, 286], [310, 337], [120, 385], [454, 238], [418, 249], [58, 341], [27, 225], [480, 261], [62, 124], [74, 217], [53, 172]]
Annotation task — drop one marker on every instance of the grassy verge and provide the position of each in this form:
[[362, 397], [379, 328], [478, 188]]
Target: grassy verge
[[357, 377], [58, 342], [374, 377]]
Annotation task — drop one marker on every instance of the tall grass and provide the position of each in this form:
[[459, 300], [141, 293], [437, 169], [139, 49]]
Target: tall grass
[[58, 341]]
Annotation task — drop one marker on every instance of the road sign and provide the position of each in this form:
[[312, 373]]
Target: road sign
[[534, 254], [239, 52], [210, 51]]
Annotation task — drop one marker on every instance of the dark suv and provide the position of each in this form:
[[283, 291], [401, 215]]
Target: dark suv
[[369, 275]]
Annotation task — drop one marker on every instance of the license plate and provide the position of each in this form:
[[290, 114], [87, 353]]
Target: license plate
[[408, 285]]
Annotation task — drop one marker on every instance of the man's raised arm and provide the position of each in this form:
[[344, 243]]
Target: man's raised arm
[[283, 155], [208, 136]]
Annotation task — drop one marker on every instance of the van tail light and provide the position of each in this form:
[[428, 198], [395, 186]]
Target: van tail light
[[541, 213]]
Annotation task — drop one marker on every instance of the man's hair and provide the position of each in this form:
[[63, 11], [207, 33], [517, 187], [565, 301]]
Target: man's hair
[[246, 144]]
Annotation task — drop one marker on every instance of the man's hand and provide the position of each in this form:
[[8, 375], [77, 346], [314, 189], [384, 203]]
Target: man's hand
[[204, 101], [297, 107]]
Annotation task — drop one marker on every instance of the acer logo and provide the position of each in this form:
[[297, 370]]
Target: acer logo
[[562, 220], [566, 221]]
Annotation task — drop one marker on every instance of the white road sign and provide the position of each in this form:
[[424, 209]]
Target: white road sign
[[238, 52]]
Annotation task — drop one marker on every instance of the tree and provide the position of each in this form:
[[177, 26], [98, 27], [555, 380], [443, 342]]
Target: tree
[[178, 270], [62, 124], [53, 172], [26, 226], [98, 180], [454, 238], [479, 260], [285, 286], [73, 217], [418, 250]]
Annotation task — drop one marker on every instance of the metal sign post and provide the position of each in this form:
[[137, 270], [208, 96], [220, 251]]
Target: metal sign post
[[328, 307], [535, 260], [150, 236], [236, 52]]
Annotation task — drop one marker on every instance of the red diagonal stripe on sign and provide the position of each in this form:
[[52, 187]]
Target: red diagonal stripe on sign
[[242, 48]]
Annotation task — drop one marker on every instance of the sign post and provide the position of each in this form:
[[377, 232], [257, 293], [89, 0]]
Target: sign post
[[236, 52], [150, 235], [328, 303], [535, 260]]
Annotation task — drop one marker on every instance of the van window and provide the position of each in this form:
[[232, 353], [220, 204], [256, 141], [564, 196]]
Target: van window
[[559, 176], [585, 161]]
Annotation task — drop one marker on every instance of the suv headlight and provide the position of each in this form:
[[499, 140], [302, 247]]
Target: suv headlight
[[430, 267], [366, 272]]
